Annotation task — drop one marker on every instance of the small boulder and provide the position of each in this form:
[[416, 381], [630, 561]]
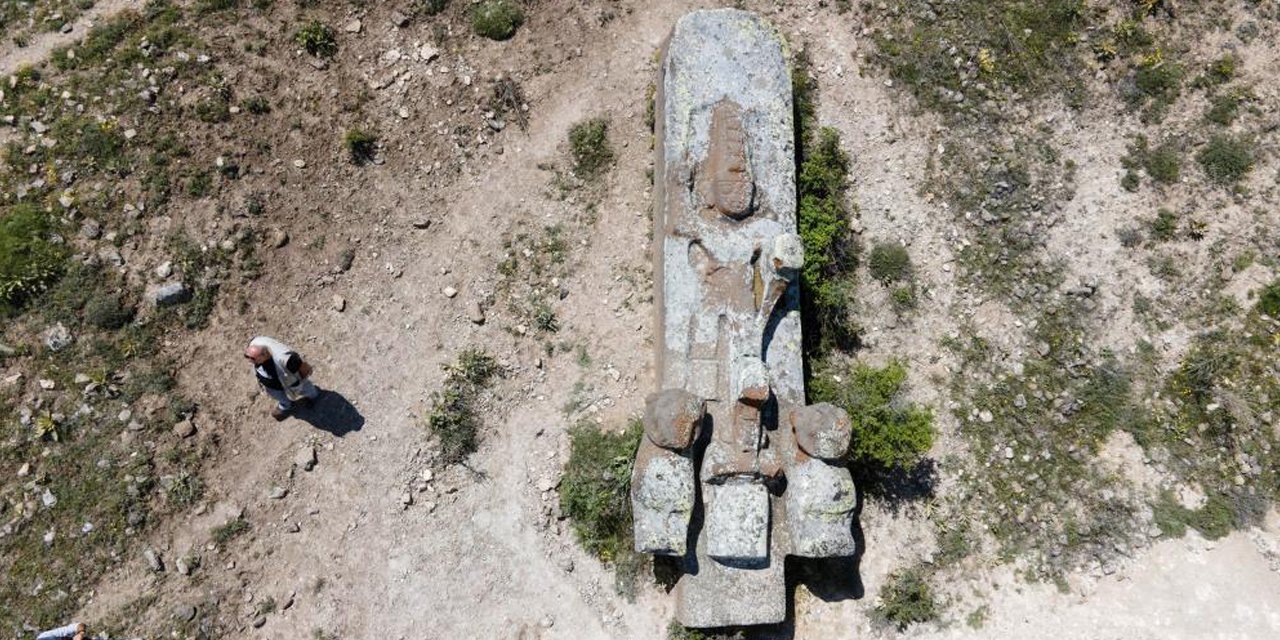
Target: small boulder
[[305, 458], [57, 337], [672, 418], [184, 429], [153, 560], [170, 294]]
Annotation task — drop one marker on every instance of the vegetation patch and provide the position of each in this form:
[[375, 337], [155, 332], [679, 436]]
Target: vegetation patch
[[317, 39], [906, 599], [29, 259], [496, 19], [455, 412], [361, 145], [589, 147], [1227, 158], [595, 494], [1162, 163], [823, 218], [888, 431], [889, 262]]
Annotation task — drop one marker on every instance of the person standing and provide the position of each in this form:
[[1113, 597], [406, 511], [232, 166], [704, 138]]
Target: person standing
[[283, 374]]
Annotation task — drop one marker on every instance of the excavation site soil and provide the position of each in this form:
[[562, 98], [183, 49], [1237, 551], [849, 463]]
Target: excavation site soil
[[468, 221]]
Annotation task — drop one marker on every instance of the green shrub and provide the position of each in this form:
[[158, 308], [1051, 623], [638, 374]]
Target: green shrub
[[595, 488], [830, 253], [887, 431], [905, 599], [29, 260], [1165, 226], [454, 416], [361, 145], [204, 7], [589, 147], [1269, 300], [904, 298], [1226, 159], [318, 39], [257, 105], [1163, 163], [496, 19], [889, 262], [677, 631], [1223, 109], [108, 311], [429, 7]]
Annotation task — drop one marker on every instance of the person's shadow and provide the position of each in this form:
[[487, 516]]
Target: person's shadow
[[331, 412]]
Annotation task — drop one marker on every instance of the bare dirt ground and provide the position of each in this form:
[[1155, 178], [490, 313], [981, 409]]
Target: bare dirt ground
[[375, 542]]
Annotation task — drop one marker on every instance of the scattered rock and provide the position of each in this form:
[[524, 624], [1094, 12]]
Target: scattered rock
[[305, 458], [428, 53], [1008, 453], [184, 429], [339, 303], [184, 613], [353, 27], [278, 238], [277, 493], [475, 313], [24, 470], [153, 560], [547, 484], [399, 19], [169, 294], [259, 621], [292, 527], [183, 568], [57, 337], [449, 292], [985, 416], [1020, 401], [423, 223], [48, 499], [164, 270], [406, 498], [91, 229], [300, 163], [47, 385]]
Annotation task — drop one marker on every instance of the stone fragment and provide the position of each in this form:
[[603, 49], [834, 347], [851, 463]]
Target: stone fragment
[[663, 497], [57, 337], [154, 561], [475, 313], [169, 294], [184, 429], [449, 292], [277, 493], [338, 303], [822, 430], [278, 238], [672, 418], [820, 501], [353, 27], [184, 613], [305, 459]]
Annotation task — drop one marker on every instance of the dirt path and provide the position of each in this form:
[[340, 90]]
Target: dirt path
[[41, 45]]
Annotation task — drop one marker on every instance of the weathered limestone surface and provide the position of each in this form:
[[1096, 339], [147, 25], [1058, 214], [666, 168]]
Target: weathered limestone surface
[[735, 473]]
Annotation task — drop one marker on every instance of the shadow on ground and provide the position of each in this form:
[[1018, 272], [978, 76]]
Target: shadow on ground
[[331, 412]]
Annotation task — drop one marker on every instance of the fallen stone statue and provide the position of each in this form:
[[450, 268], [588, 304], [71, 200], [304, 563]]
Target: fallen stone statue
[[734, 472]]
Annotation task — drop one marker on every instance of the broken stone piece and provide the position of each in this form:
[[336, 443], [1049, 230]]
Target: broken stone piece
[[822, 430], [671, 418]]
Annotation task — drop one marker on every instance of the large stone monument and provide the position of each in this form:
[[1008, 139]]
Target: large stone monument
[[734, 472]]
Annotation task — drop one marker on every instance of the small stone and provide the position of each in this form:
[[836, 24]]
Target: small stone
[[406, 498], [449, 292], [130, 134], [1008, 453], [82, 379], [428, 475], [259, 621], [305, 458], [184, 429], [48, 499], [475, 313], [299, 163], [403, 112], [293, 527], [91, 229], [422, 223], [153, 560], [547, 484], [353, 27], [183, 568], [57, 337], [1020, 401], [24, 470], [428, 53], [164, 270], [985, 416], [169, 294], [277, 493], [278, 238], [399, 19], [339, 303], [496, 124], [184, 612], [1042, 348], [47, 385]]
